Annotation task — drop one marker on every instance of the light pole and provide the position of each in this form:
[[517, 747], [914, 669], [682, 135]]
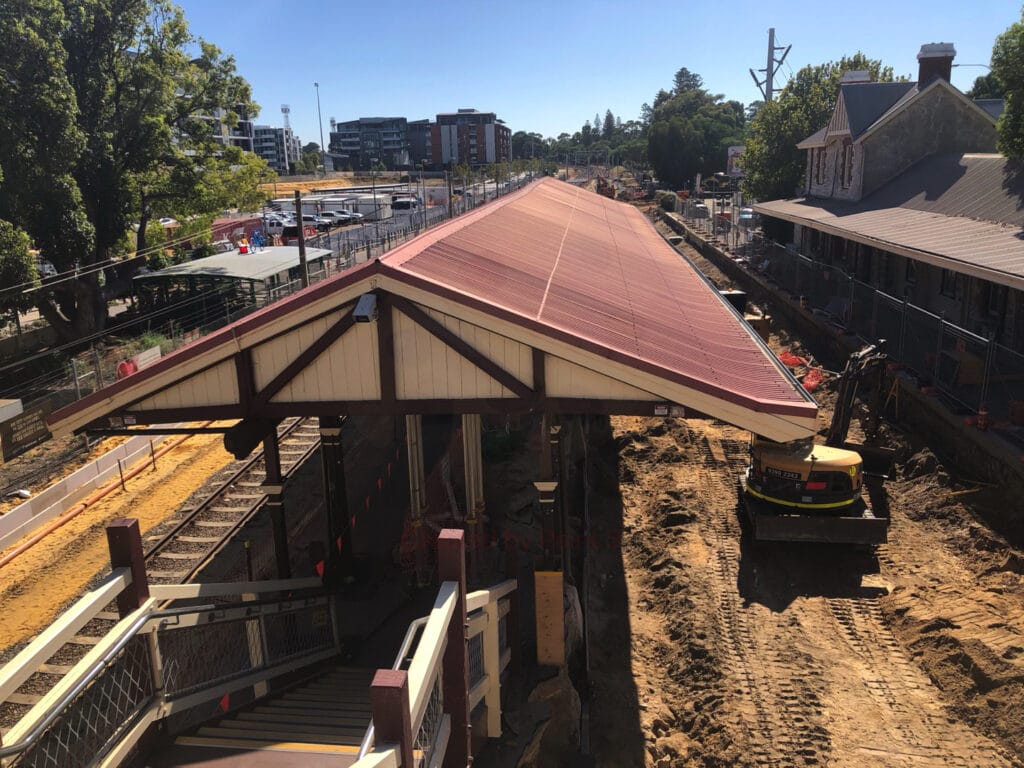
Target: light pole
[[373, 186], [320, 120]]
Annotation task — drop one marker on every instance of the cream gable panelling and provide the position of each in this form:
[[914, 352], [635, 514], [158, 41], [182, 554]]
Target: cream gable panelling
[[565, 379], [215, 386], [427, 368], [272, 357], [349, 369]]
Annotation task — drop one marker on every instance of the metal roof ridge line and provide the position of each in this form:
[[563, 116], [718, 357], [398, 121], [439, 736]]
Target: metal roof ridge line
[[561, 246]]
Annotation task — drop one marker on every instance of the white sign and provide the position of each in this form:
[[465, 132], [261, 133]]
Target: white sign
[[146, 357]]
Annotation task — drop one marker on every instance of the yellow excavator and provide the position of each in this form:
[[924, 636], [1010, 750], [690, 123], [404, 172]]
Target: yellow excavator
[[802, 491]]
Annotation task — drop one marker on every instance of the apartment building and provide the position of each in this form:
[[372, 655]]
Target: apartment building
[[278, 146], [473, 137], [357, 144]]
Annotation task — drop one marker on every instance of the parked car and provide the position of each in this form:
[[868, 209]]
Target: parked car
[[335, 218], [353, 216], [275, 226], [321, 224]]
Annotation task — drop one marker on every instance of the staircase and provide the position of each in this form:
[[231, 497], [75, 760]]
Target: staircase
[[319, 724]]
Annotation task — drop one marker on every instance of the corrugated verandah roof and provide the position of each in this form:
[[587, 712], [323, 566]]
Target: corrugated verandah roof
[[961, 212], [561, 263], [596, 270]]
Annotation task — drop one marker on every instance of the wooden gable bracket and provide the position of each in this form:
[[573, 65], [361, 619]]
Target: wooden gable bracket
[[293, 369], [461, 346]]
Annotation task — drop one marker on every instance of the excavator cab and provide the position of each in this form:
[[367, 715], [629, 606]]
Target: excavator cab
[[804, 476]]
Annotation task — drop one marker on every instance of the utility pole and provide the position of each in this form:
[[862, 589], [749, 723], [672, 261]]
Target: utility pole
[[320, 119], [303, 270], [767, 86]]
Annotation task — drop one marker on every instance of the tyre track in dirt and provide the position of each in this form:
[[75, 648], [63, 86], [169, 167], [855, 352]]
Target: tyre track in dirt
[[783, 655], [786, 716]]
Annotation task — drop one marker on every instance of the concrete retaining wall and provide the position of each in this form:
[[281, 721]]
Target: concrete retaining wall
[[65, 493]]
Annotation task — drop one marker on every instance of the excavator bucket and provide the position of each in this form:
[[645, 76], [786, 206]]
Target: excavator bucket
[[878, 462]]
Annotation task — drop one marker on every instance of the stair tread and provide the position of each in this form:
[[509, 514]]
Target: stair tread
[[302, 706], [220, 756], [326, 695], [267, 712], [312, 728], [283, 736], [24, 699], [267, 744]]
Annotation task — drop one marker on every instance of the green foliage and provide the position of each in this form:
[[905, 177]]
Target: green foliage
[[773, 165], [666, 200], [309, 162], [987, 86], [110, 109], [148, 340], [690, 131], [1008, 69], [41, 140], [17, 269]]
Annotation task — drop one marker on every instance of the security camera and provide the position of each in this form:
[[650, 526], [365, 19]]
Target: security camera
[[366, 308]]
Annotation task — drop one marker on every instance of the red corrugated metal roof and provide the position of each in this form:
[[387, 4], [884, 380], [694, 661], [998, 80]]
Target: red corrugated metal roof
[[572, 265], [595, 270]]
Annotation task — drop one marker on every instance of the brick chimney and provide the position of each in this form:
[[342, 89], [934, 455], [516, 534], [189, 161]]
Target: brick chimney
[[935, 60]]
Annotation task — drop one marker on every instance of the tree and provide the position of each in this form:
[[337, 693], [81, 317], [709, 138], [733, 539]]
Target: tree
[[1008, 69], [608, 128], [42, 141], [987, 86], [17, 271], [774, 167], [690, 130], [111, 109]]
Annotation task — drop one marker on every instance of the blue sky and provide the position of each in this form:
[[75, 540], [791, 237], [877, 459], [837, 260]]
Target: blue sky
[[549, 66]]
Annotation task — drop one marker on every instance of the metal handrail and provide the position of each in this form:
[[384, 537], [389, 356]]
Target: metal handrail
[[414, 627], [131, 631]]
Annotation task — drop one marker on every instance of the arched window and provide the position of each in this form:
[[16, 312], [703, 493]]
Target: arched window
[[846, 165]]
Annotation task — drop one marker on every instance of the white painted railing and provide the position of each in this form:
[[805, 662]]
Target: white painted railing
[[159, 660], [431, 726]]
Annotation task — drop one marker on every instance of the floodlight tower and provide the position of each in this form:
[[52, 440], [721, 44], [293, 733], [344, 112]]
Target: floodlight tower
[[285, 111]]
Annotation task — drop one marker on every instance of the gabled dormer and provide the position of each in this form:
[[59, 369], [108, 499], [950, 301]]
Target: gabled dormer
[[877, 130]]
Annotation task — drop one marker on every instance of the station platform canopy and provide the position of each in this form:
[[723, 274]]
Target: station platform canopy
[[550, 299], [256, 266]]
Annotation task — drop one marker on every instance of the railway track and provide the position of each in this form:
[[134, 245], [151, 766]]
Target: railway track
[[194, 537]]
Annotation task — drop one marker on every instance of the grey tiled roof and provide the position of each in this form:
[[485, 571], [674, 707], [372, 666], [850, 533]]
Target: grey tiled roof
[[866, 102]]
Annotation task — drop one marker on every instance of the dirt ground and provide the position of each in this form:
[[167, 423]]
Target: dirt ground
[[36, 585], [754, 654], [285, 188]]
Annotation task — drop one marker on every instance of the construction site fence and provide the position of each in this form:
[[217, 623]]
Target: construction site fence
[[968, 372]]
